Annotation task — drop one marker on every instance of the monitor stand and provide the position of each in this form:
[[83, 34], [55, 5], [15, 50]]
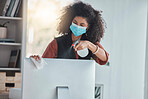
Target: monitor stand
[[62, 92]]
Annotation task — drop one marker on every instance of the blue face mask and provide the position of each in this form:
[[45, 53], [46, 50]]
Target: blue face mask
[[77, 30]]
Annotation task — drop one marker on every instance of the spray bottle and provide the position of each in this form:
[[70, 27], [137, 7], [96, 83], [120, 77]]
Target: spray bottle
[[81, 53]]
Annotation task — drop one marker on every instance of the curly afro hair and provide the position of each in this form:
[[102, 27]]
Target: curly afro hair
[[95, 22]]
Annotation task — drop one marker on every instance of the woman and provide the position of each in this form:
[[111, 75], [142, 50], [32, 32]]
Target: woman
[[78, 20]]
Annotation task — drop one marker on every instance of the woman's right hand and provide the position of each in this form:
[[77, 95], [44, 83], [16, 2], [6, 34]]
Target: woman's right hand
[[36, 57]]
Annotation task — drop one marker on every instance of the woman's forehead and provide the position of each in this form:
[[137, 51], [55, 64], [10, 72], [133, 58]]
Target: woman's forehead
[[80, 19]]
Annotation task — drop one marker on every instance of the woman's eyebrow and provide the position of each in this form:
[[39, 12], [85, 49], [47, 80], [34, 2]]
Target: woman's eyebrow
[[80, 23], [83, 24], [75, 21]]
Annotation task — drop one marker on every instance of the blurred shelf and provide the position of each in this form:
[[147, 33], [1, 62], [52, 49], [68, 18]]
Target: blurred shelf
[[12, 44], [10, 18], [10, 69]]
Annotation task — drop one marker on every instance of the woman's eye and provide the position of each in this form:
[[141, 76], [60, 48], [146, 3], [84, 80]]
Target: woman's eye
[[83, 25], [74, 22]]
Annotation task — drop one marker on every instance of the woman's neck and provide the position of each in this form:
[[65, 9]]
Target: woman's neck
[[74, 38]]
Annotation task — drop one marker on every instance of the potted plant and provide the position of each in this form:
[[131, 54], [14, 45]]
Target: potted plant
[[3, 30]]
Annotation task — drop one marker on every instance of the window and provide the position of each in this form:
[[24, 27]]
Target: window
[[42, 23]]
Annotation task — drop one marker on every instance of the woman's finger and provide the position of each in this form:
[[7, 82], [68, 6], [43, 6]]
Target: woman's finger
[[81, 45], [77, 46], [38, 57], [35, 57], [31, 56]]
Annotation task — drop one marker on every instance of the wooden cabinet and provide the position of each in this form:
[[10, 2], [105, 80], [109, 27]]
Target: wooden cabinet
[[7, 82]]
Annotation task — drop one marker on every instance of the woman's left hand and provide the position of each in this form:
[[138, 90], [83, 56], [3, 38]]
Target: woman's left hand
[[81, 45], [93, 48]]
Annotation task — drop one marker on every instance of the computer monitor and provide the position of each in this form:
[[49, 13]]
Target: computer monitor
[[78, 75]]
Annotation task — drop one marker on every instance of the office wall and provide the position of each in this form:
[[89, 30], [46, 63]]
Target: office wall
[[125, 40], [146, 64]]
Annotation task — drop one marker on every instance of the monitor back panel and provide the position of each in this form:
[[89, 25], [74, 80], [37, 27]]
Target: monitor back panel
[[78, 75]]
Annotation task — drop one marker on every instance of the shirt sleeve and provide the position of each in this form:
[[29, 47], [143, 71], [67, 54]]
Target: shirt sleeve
[[51, 50], [99, 61]]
